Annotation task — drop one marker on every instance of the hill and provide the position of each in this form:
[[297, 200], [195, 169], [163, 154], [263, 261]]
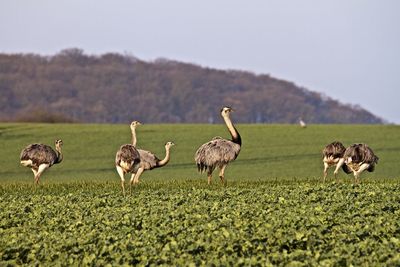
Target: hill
[[115, 88]]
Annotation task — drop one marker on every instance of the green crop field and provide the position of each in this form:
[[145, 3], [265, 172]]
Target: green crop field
[[275, 209]]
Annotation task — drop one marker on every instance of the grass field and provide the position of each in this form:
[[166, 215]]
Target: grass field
[[274, 211], [269, 152]]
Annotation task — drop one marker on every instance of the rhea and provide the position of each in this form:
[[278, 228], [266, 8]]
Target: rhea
[[358, 158], [219, 152], [40, 157], [127, 160], [149, 160], [333, 155]]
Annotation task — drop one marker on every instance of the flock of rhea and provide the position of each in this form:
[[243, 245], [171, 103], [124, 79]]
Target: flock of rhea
[[216, 153], [356, 158]]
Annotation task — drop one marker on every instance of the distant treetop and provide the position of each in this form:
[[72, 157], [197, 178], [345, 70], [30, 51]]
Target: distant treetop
[[115, 88]]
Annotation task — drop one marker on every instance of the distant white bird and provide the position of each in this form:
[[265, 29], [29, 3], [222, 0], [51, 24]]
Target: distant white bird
[[219, 152], [302, 123], [40, 157], [333, 155], [358, 158]]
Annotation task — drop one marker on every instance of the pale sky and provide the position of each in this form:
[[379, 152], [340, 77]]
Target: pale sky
[[347, 49]]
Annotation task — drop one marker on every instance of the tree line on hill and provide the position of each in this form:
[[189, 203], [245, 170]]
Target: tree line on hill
[[72, 86]]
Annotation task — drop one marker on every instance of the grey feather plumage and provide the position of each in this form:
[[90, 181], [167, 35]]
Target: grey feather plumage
[[40, 154], [219, 152], [149, 161], [216, 153], [362, 153], [335, 149], [128, 154]]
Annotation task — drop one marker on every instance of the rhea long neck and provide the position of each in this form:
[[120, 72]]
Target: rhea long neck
[[59, 155], [232, 130], [134, 140], [164, 161]]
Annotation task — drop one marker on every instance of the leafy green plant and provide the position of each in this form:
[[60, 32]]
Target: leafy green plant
[[274, 211], [180, 224]]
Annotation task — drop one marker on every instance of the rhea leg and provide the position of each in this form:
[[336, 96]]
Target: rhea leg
[[362, 168], [130, 182], [135, 178], [338, 166], [356, 177], [326, 166], [221, 174], [40, 170], [209, 175], [121, 174], [34, 175], [137, 175]]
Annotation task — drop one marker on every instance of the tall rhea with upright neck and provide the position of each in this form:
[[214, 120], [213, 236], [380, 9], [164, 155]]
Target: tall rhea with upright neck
[[219, 151]]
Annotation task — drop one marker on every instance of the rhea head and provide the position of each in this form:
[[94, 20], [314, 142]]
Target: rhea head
[[169, 144], [134, 124], [58, 143], [225, 111]]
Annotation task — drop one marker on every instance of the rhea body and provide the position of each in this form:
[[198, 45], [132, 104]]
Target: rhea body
[[40, 157], [127, 160], [333, 156], [358, 158], [149, 160], [219, 152]]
